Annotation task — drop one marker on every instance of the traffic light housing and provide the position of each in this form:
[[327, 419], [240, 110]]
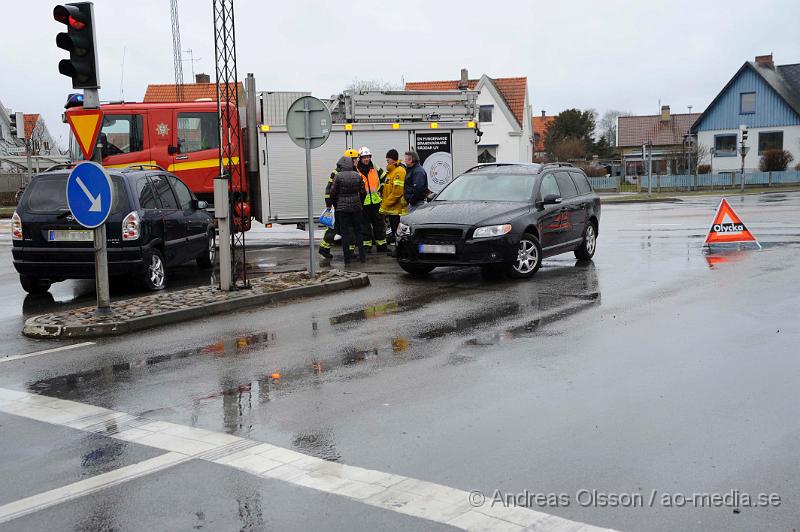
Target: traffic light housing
[[17, 123], [744, 135], [79, 41]]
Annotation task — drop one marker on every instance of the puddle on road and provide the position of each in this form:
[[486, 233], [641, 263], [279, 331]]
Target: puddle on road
[[64, 386]]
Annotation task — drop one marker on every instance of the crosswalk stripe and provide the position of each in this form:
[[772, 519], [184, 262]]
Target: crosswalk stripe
[[40, 501], [397, 493]]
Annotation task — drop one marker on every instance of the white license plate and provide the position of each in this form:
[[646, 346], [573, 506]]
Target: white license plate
[[437, 248], [69, 236]]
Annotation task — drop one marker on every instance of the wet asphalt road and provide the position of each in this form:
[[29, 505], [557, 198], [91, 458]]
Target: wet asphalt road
[[655, 367]]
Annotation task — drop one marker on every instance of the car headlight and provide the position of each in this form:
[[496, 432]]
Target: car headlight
[[491, 230], [403, 229]]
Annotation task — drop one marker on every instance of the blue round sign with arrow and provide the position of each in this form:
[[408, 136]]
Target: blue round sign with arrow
[[89, 194]]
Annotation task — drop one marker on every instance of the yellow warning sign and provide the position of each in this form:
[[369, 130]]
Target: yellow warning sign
[[85, 124]]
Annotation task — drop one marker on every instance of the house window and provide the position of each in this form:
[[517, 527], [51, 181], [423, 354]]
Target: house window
[[197, 132], [747, 103], [770, 140], [725, 145], [487, 154], [485, 113]]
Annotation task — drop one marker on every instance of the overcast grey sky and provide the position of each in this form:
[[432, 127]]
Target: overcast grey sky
[[610, 54]]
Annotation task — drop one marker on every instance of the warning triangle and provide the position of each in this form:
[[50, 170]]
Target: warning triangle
[[85, 125], [727, 227]]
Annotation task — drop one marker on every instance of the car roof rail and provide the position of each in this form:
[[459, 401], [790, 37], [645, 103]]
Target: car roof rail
[[484, 165], [59, 166], [135, 167], [559, 165]]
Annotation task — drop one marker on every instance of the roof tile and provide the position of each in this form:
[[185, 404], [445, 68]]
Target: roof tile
[[512, 90], [638, 130], [166, 93]]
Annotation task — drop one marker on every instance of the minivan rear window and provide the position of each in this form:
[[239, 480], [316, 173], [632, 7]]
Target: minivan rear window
[[48, 194]]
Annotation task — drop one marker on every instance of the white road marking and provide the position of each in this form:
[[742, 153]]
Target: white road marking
[[388, 491], [40, 501], [45, 352]]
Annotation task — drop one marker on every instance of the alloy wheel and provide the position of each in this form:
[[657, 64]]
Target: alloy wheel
[[527, 257], [156, 271], [591, 240]]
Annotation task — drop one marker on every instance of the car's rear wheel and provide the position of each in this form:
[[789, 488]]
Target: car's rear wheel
[[155, 276], [34, 285], [209, 256], [417, 269], [528, 260], [589, 244]]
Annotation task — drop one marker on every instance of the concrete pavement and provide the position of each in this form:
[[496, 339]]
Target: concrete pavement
[[658, 367]]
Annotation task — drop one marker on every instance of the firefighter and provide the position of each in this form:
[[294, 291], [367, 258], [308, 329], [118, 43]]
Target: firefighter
[[393, 203], [374, 226], [330, 232]]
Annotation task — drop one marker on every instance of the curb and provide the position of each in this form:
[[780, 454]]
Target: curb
[[115, 328], [640, 200]]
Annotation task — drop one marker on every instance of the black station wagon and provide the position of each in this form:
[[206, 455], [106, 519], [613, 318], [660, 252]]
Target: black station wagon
[[155, 222], [503, 216]]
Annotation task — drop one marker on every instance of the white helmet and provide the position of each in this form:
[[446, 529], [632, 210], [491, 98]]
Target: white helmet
[[364, 151]]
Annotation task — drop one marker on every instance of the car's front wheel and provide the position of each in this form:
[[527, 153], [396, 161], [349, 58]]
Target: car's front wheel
[[528, 260], [155, 276], [417, 269], [209, 256], [589, 244], [34, 285]]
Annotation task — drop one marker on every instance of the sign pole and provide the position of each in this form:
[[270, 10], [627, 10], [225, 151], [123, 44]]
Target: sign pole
[[312, 269], [91, 100]]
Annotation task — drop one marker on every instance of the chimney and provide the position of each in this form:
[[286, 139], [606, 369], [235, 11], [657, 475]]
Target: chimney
[[544, 113], [202, 78], [463, 83], [665, 113], [765, 60]]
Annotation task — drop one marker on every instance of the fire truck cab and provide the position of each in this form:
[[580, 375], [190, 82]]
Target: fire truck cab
[[182, 138]]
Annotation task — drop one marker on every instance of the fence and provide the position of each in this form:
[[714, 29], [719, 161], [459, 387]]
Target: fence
[[698, 182], [10, 182]]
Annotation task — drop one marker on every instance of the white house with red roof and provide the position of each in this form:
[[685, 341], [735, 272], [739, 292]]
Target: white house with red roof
[[504, 116]]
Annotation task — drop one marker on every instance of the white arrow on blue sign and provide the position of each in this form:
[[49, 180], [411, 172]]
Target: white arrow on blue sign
[[89, 194]]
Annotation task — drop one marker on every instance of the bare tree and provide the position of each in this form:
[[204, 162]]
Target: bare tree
[[607, 125], [360, 85]]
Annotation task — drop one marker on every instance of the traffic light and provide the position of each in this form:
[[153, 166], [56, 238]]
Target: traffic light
[[17, 125], [79, 42]]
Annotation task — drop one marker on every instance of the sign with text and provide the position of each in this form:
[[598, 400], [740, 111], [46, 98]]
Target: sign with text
[[435, 155], [727, 227]]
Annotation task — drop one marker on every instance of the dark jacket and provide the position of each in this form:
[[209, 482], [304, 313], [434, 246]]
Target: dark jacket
[[328, 200], [415, 189], [347, 190]]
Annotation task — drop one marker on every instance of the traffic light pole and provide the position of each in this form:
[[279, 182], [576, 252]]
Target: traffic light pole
[[91, 100]]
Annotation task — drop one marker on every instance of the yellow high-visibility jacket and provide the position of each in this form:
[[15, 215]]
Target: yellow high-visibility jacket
[[393, 201]]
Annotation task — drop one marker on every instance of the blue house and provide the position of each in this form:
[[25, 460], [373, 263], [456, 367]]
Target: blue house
[[761, 96]]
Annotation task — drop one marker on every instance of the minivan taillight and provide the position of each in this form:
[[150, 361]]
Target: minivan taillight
[[16, 227], [130, 226]]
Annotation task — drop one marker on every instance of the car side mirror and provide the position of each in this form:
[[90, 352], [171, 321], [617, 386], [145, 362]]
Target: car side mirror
[[172, 150], [550, 199], [202, 204]]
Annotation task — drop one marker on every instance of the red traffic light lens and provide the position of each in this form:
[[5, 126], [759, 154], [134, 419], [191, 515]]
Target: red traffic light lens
[[66, 15], [77, 24]]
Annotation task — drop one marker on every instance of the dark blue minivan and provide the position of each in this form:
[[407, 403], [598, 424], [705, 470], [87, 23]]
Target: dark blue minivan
[[155, 222]]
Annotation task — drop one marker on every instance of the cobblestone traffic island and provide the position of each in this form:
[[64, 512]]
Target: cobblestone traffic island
[[148, 311]]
